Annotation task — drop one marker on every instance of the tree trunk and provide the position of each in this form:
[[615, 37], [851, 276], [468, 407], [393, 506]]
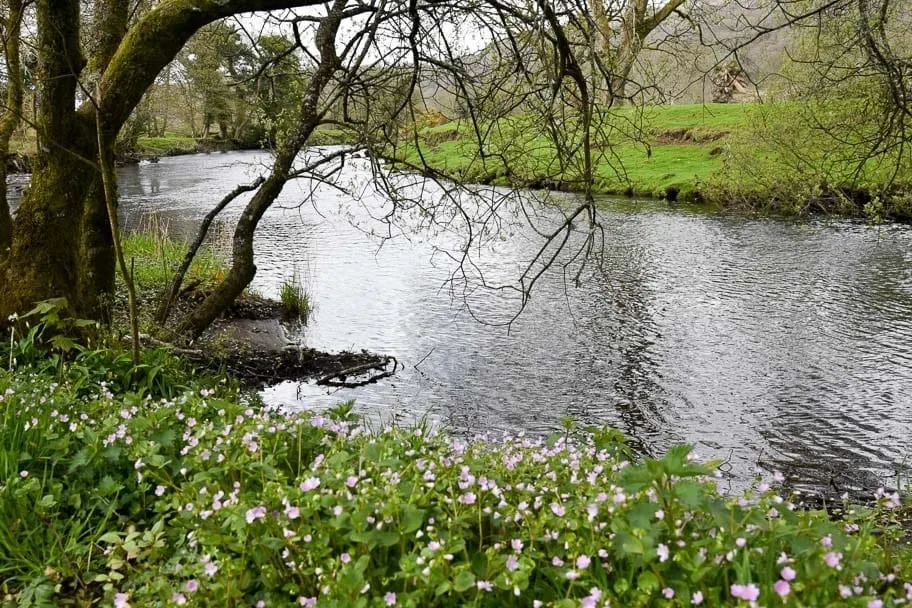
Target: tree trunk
[[243, 268], [61, 239], [44, 259], [10, 119]]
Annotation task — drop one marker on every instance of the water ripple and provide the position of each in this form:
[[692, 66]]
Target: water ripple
[[754, 339]]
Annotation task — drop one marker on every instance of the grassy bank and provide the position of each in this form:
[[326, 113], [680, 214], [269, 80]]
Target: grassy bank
[[681, 149], [157, 487], [749, 156], [176, 145]]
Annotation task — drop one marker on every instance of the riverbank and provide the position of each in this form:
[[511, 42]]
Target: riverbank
[[744, 157], [255, 341], [163, 486], [154, 148]]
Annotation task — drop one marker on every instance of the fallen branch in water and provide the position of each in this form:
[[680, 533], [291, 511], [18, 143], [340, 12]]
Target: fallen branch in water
[[340, 378]]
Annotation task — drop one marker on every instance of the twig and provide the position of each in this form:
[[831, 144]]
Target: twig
[[425, 357], [338, 378]]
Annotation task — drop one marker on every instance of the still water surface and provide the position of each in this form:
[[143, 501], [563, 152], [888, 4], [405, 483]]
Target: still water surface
[[757, 340]]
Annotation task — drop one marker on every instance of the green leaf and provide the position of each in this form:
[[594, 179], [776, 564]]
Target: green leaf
[[61, 342], [110, 538], [443, 588], [464, 581], [384, 539], [412, 518], [690, 493], [373, 452], [643, 515], [108, 486], [648, 582], [552, 439]]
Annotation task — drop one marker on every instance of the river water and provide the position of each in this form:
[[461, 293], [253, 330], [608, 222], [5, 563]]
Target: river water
[[759, 341]]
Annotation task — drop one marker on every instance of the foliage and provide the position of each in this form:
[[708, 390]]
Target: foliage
[[186, 492], [248, 89], [811, 156], [776, 157]]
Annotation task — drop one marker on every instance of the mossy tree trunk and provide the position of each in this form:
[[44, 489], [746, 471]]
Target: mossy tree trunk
[[9, 120], [59, 243]]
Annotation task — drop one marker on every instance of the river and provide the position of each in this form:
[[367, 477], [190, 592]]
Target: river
[[761, 341]]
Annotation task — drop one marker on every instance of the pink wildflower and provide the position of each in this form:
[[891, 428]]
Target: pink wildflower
[[468, 498], [255, 514], [311, 483], [748, 593], [782, 588], [832, 559]]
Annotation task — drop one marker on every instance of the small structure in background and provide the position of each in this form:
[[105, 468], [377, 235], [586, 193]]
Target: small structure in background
[[731, 85]]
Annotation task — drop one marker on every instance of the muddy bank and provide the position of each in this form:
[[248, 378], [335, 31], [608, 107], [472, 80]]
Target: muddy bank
[[255, 343]]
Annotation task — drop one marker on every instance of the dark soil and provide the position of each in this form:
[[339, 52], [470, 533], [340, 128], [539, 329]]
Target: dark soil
[[251, 343]]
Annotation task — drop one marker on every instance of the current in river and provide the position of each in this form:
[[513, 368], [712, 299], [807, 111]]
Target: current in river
[[763, 342]]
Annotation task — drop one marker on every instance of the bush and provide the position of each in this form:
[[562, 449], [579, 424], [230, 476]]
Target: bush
[[212, 499]]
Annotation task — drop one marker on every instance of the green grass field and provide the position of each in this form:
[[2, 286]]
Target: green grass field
[[772, 157], [646, 152]]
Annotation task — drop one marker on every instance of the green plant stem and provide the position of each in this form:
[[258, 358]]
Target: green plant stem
[[107, 178]]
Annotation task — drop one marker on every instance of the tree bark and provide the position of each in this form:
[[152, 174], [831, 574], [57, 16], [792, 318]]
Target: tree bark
[[168, 299], [635, 24], [44, 259], [9, 121]]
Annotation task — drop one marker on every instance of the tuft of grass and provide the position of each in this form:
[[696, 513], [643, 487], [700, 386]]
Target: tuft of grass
[[295, 299], [156, 255]]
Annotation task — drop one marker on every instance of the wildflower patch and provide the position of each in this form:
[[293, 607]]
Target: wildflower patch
[[208, 498]]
